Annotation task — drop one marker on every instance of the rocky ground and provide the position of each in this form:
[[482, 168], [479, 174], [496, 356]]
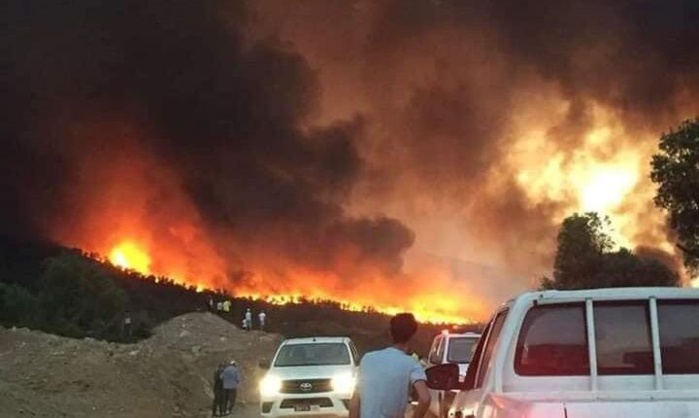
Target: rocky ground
[[167, 375]]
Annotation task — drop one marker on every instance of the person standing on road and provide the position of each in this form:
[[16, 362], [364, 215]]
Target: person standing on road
[[261, 316], [218, 408], [226, 306], [387, 376], [231, 380]]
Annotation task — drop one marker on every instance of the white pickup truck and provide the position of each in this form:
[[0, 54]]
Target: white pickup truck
[[627, 352], [450, 348]]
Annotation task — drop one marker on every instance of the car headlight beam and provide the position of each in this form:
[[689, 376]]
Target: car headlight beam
[[270, 385], [343, 383]]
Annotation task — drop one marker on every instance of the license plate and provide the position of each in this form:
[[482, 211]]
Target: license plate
[[302, 407]]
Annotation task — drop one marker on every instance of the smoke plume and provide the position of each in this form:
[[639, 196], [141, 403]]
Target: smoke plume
[[413, 154]]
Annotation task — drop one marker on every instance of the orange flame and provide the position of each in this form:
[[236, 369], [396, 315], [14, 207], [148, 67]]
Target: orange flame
[[128, 255], [170, 239]]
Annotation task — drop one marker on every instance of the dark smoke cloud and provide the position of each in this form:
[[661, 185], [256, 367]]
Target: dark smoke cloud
[[278, 117], [438, 80], [634, 55], [226, 115]]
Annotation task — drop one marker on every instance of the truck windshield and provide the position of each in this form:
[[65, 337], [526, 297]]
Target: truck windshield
[[461, 349], [315, 354]]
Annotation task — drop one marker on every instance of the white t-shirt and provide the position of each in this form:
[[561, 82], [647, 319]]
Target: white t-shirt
[[385, 379], [262, 316]]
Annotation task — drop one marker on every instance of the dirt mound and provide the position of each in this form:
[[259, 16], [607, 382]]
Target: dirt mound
[[167, 375]]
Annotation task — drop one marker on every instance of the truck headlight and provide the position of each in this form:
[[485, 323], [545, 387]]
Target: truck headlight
[[343, 383], [270, 385]]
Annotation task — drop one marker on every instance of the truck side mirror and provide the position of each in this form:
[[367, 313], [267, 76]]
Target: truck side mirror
[[443, 376], [264, 364]]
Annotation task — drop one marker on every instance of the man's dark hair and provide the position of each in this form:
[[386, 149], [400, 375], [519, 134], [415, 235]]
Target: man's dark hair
[[403, 327]]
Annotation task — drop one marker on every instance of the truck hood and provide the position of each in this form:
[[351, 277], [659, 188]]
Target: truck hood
[[309, 372]]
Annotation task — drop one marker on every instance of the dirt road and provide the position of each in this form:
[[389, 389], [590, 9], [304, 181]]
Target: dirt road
[[252, 411], [246, 411]]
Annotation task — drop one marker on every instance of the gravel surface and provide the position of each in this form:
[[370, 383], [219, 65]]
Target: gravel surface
[[167, 375]]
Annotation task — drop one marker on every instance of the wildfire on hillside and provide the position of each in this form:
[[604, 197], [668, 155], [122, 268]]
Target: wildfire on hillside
[[404, 155]]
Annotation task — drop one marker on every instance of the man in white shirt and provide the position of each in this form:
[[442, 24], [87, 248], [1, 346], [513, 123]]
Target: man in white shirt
[[248, 319], [387, 376], [261, 316]]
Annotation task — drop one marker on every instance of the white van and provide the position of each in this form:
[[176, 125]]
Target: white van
[[626, 352], [310, 376], [454, 348]]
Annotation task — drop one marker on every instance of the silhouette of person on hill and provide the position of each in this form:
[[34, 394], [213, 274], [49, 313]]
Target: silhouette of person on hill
[[219, 406]]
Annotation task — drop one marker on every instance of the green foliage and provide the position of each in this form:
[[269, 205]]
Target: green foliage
[[676, 171], [582, 243], [17, 306], [585, 259], [624, 268], [77, 297]]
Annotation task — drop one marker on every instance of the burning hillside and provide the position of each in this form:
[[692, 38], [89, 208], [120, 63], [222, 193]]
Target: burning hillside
[[410, 154]]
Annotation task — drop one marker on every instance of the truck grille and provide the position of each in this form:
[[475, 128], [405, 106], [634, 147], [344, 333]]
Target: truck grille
[[320, 402], [306, 386]]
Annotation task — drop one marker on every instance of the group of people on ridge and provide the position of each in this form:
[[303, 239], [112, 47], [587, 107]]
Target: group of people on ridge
[[223, 308], [247, 320], [226, 381]]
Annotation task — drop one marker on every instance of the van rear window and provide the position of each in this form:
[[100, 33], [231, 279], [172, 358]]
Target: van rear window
[[622, 334], [553, 342], [679, 336]]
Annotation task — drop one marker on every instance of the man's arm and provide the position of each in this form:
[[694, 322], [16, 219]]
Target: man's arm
[[423, 399], [354, 406]]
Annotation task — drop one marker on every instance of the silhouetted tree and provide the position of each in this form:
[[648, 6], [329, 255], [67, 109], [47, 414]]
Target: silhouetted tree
[[676, 171], [582, 242], [585, 259]]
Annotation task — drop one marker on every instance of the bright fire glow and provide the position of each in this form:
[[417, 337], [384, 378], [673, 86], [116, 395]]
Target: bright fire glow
[[604, 171], [128, 255], [606, 188], [169, 238], [422, 314]]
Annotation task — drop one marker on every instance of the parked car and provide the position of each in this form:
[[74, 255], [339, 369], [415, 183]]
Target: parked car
[[626, 352], [450, 348], [310, 376]]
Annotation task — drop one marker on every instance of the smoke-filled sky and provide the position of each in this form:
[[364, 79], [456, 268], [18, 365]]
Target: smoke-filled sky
[[406, 154]]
